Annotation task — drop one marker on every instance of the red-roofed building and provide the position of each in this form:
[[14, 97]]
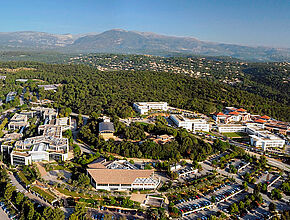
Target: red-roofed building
[[219, 117], [234, 113], [241, 110], [260, 121], [265, 117]]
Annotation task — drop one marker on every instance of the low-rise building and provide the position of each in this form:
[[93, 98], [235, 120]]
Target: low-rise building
[[18, 121], [21, 80], [190, 124], [11, 136], [10, 96], [46, 113], [181, 122], [200, 125], [39, 148], [2, 78], [232, 114], [278, 126], [267, 142], [228, 128], [29, 114], [145, 107], [49, 87], [106, 129], [162, 139], [114, 175]]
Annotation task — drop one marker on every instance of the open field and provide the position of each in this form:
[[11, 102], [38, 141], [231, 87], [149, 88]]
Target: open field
[[235, 135]]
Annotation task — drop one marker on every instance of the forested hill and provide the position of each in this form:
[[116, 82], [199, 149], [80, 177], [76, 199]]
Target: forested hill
[[87, 90], [270, 80]]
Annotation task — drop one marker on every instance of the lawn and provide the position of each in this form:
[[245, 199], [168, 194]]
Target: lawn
[[49, 197], [235, 134], [23, 178], [75, 194]]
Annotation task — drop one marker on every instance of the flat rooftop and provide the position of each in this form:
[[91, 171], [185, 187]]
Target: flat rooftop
[[150, 103]]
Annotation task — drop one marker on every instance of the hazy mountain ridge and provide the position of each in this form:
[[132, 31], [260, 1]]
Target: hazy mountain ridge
[[122, 41]]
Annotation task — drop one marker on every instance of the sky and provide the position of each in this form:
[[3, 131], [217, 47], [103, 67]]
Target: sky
[[247, 22]]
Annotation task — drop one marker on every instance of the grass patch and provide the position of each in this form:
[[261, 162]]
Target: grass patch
[[49, 197], [23, 178], [235, 134], [75, 194]]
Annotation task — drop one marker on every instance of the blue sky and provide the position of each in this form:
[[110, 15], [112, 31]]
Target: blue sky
[[249, 22]]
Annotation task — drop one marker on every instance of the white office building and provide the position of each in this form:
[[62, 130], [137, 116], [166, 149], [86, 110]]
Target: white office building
[[228, 128], [190, 124], [200, 125], [145, 107], [39, 148], [268, 142]]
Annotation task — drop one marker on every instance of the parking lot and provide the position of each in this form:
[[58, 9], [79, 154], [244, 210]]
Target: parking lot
[[196, 204]]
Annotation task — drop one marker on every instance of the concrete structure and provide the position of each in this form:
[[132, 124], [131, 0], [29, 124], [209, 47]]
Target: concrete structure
[[18, 121], [10, 137], [2, 78], [162, 139], [49, 87], [21, 80], [181, 122], [40, 148], [200, 125], [120, 175], [232, 114], [263, 139], [10, 96], [106, 129], [29, 114], [145, 107], [46, 113], [20, 158], [228, 128], [278, 126], [175, 167], [267, 142], [190, 124]]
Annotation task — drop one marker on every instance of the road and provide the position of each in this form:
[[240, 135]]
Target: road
[[270, 161], [84, 147], [20, 188], [280, 204]]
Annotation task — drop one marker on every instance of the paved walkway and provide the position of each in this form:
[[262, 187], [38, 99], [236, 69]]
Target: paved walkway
[[3, 215], [41, 169]]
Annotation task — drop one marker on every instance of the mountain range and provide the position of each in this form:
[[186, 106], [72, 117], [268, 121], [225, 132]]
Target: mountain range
[[133, 42]]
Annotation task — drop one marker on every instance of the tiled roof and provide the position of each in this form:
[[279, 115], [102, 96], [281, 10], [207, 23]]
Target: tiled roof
[[118, 176], [260, 121], [234, 113], [241, 110]]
